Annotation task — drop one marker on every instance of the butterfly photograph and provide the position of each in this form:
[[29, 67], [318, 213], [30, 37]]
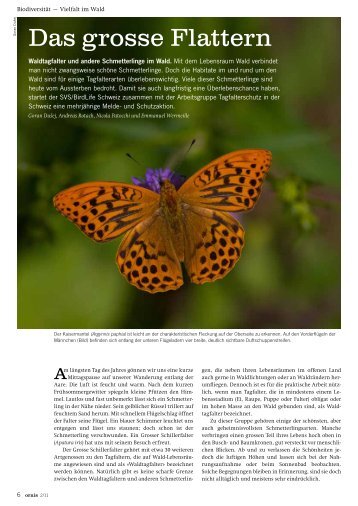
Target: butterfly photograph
[[241, 230], [169, 222]]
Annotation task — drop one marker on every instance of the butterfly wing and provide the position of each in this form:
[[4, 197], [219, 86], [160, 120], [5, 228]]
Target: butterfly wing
[[229, 183], [147, 258], [213, 243], [104, 210]]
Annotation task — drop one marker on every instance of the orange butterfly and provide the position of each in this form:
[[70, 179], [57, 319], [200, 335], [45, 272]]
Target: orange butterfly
[[191, 224]]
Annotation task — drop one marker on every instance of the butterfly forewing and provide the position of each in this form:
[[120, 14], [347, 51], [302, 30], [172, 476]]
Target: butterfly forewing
[[229, 183], [213, 243], [105, 210], [147, 258]]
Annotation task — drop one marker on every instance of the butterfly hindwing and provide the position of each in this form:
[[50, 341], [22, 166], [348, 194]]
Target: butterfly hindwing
[[147, 258], [229, 183], [213, 243], [104, 210]]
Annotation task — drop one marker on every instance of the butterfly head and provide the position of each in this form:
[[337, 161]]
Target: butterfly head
[[155, 178]]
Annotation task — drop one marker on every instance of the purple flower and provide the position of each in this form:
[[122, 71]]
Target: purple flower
[[154, 177]]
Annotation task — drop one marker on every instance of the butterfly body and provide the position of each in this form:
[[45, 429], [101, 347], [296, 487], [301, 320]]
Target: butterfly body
[[171, 208], [192, 224]]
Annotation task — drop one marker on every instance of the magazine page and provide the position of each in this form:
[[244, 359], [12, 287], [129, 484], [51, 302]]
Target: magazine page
[[178, 331]]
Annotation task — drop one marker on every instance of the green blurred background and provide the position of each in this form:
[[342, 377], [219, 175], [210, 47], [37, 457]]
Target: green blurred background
[[289, 274]]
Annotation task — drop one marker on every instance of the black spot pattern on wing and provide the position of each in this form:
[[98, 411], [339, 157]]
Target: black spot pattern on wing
[[231, 183], [147, 258], [106, 210], [214, 241]]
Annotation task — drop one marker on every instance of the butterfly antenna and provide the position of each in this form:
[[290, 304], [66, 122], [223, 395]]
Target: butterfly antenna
[[189, 148], [185, 154], [134, 160]]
